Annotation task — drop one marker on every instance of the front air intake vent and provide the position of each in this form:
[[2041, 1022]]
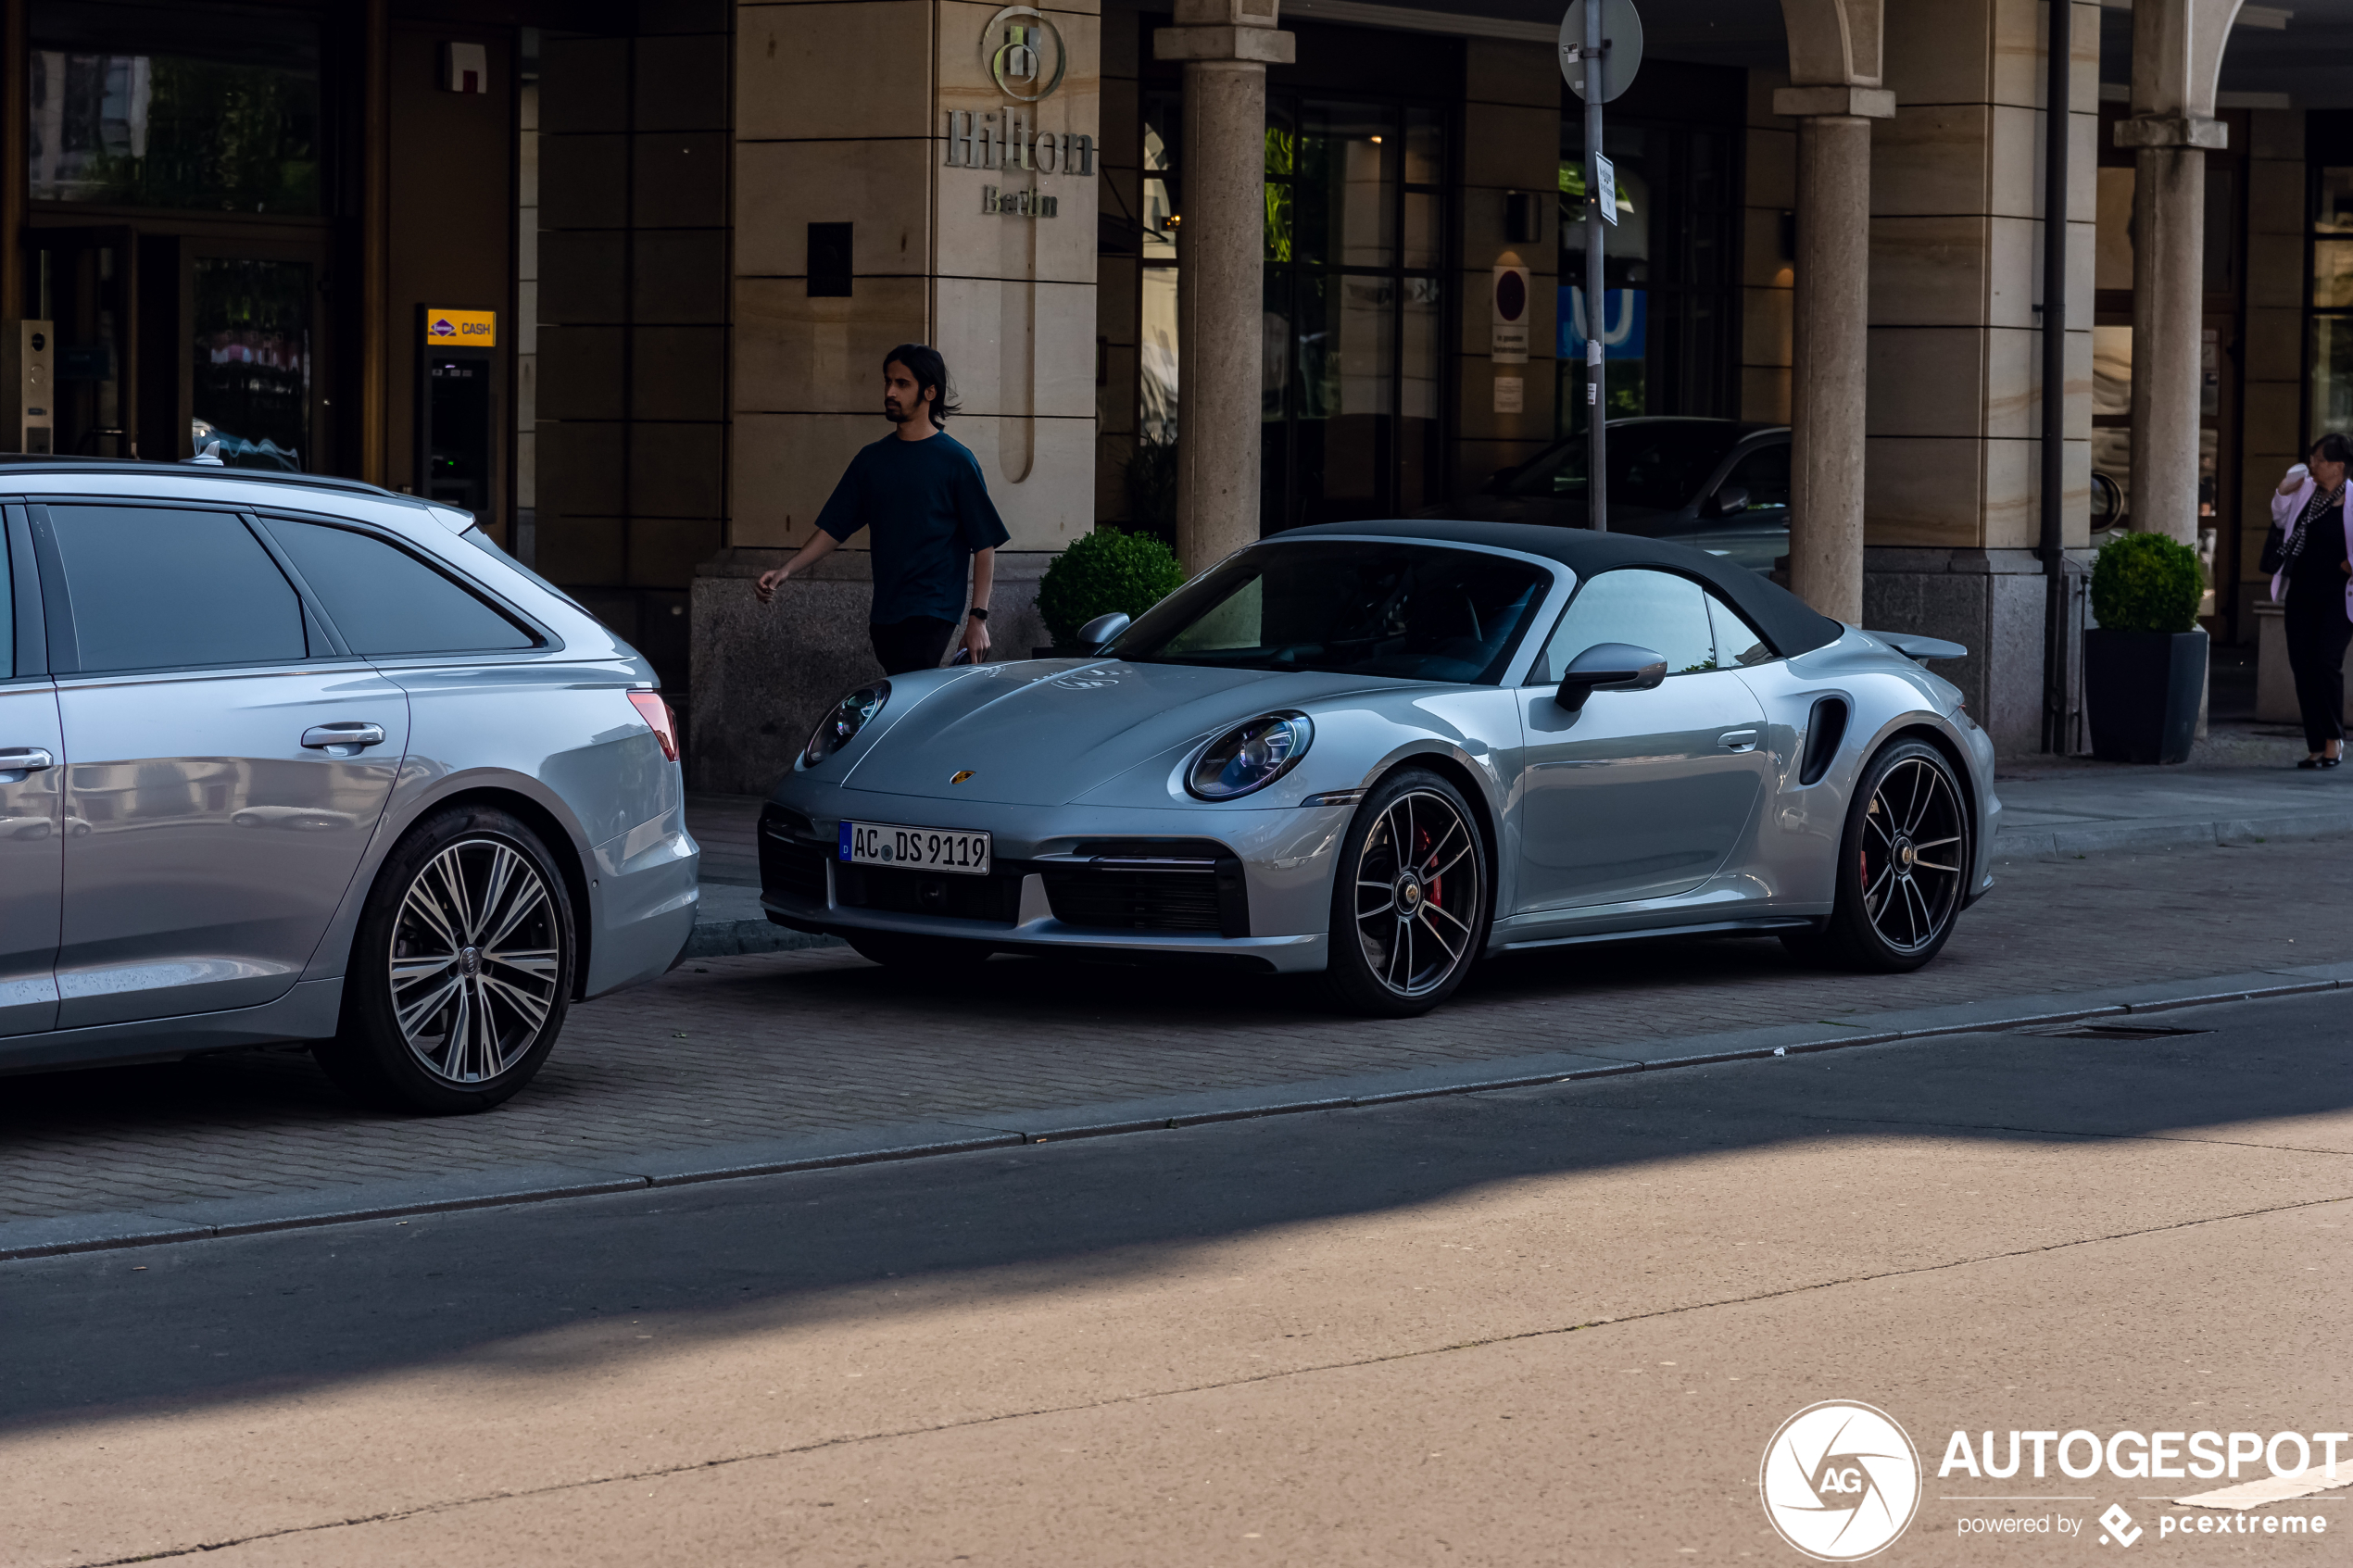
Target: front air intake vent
[[1824, 730], [1152, 893]]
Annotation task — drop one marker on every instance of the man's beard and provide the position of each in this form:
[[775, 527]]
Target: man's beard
[[894, 411]]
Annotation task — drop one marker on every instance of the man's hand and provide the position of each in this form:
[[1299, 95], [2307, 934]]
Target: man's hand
[[977, 639], [820, 545]]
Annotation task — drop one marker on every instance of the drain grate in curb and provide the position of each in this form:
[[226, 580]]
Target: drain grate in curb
[[2116, 1031]]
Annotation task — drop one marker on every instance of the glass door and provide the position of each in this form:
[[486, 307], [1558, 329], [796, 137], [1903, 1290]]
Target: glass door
[[1351, 424], [84, 281], [252, 383]]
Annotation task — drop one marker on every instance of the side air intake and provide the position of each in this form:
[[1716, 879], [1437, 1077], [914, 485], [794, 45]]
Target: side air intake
[[1824, 730]]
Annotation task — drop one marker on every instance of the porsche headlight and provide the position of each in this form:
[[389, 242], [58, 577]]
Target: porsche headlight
[[849, 716], [1251, 756]]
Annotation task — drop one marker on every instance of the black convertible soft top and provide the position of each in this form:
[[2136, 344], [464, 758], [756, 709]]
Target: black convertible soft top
[[1788, 624]]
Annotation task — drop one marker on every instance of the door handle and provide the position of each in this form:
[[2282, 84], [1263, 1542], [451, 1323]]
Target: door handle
[[1737, 740], [319, 737], [25, 760]]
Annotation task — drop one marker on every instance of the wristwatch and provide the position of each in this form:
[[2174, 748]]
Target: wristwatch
[[980, 612]]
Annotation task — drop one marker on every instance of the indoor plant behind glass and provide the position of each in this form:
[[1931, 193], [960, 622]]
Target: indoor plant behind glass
[[2144, 664]]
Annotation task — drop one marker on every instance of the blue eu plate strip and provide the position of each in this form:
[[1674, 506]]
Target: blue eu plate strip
[[845, 842]]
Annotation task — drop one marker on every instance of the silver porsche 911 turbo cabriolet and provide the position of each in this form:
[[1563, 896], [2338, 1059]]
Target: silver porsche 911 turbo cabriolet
[[1382, 750]]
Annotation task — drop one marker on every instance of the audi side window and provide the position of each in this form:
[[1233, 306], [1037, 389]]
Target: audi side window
[[156, 589], [1736, 640], [1651, 609], [8, 610], [386, 601]]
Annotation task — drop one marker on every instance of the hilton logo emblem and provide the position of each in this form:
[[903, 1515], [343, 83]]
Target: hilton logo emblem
[[1012, 42], [1023, 53]]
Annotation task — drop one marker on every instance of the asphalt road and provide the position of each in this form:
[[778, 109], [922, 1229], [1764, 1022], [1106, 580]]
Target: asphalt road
[[1551, 1325]]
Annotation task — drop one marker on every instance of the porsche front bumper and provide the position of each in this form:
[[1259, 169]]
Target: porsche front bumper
[[1250, 887]]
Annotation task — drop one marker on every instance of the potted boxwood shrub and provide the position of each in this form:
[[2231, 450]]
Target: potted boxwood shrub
[[1100, 574], [2144, 664]]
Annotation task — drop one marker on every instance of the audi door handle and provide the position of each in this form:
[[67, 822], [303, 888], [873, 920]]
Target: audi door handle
[[1738, 740], [25, 760], [320, 737]]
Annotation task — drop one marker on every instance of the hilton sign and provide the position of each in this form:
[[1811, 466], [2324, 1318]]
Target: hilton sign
[[1024, 53]]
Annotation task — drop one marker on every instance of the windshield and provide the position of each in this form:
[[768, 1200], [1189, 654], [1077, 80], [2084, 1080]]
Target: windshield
[[1660, 466], [1417, 612]]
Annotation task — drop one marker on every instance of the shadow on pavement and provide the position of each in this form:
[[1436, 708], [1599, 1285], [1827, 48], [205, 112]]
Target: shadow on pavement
[[226, 1320]]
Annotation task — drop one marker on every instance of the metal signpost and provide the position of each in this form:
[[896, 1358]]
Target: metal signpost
[[1601, 49]]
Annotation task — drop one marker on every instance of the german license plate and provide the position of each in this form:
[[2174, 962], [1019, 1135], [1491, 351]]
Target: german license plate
[[922, 850]]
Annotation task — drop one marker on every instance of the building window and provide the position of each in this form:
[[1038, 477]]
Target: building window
[[155, 107], [1670, 272], [1354, 237], [2329, 332]]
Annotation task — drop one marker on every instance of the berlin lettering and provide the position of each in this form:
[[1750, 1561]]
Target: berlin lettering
[[1017, 204], [987, 140]]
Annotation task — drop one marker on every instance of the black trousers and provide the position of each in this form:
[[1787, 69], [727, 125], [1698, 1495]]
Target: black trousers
[[2318, 634], [916, 643]]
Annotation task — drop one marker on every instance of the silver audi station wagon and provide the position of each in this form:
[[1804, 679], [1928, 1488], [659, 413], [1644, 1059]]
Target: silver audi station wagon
[[286, 759]]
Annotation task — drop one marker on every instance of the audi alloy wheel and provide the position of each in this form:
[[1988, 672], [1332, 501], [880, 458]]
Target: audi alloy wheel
[[462, 970]]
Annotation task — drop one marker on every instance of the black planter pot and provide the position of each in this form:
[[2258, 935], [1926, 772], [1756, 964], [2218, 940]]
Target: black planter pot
[[2141, 692]]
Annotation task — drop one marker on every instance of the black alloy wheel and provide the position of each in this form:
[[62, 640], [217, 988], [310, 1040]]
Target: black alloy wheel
[[461, 970], [1903, 864], [1409, 899]]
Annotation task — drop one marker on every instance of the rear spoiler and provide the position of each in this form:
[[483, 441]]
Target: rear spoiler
[[1921, 649]]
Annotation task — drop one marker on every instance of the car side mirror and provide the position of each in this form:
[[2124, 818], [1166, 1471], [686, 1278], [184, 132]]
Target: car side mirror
[[1101, 630], [1610, 666], [1727, 501]]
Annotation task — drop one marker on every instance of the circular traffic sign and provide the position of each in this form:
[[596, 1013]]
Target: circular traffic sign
[[1622, 33]]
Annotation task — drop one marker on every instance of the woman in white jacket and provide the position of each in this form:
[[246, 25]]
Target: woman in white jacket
[[2311, 553]]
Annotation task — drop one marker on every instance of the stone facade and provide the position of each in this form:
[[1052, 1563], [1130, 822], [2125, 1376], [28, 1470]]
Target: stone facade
[[844, 118], [1953, 488], [764, 674]]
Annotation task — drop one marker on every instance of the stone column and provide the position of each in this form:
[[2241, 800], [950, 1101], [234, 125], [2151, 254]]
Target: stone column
[[1834, 62], [1226, 46], [1830, 354], [2168, 312], [2177, 51]]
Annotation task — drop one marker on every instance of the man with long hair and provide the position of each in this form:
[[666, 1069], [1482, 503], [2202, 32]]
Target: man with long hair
[[920, 494]]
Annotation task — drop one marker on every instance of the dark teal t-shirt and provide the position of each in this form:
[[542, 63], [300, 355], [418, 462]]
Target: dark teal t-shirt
[[926, 510]]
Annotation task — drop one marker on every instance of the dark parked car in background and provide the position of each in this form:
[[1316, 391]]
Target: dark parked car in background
[[1718, 486]]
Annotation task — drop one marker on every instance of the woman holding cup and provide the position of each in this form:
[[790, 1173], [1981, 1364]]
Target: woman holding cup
[[2310, 556]]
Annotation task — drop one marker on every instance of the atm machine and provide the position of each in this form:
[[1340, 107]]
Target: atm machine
[[455, 433]]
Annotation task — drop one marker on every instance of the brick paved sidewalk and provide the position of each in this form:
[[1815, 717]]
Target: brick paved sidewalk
[[735, 1050]]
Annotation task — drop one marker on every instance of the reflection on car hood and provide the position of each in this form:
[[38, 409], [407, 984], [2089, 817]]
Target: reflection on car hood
[[1046, 732]]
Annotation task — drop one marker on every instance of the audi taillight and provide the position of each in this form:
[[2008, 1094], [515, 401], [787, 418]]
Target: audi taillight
[[659, 719]]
